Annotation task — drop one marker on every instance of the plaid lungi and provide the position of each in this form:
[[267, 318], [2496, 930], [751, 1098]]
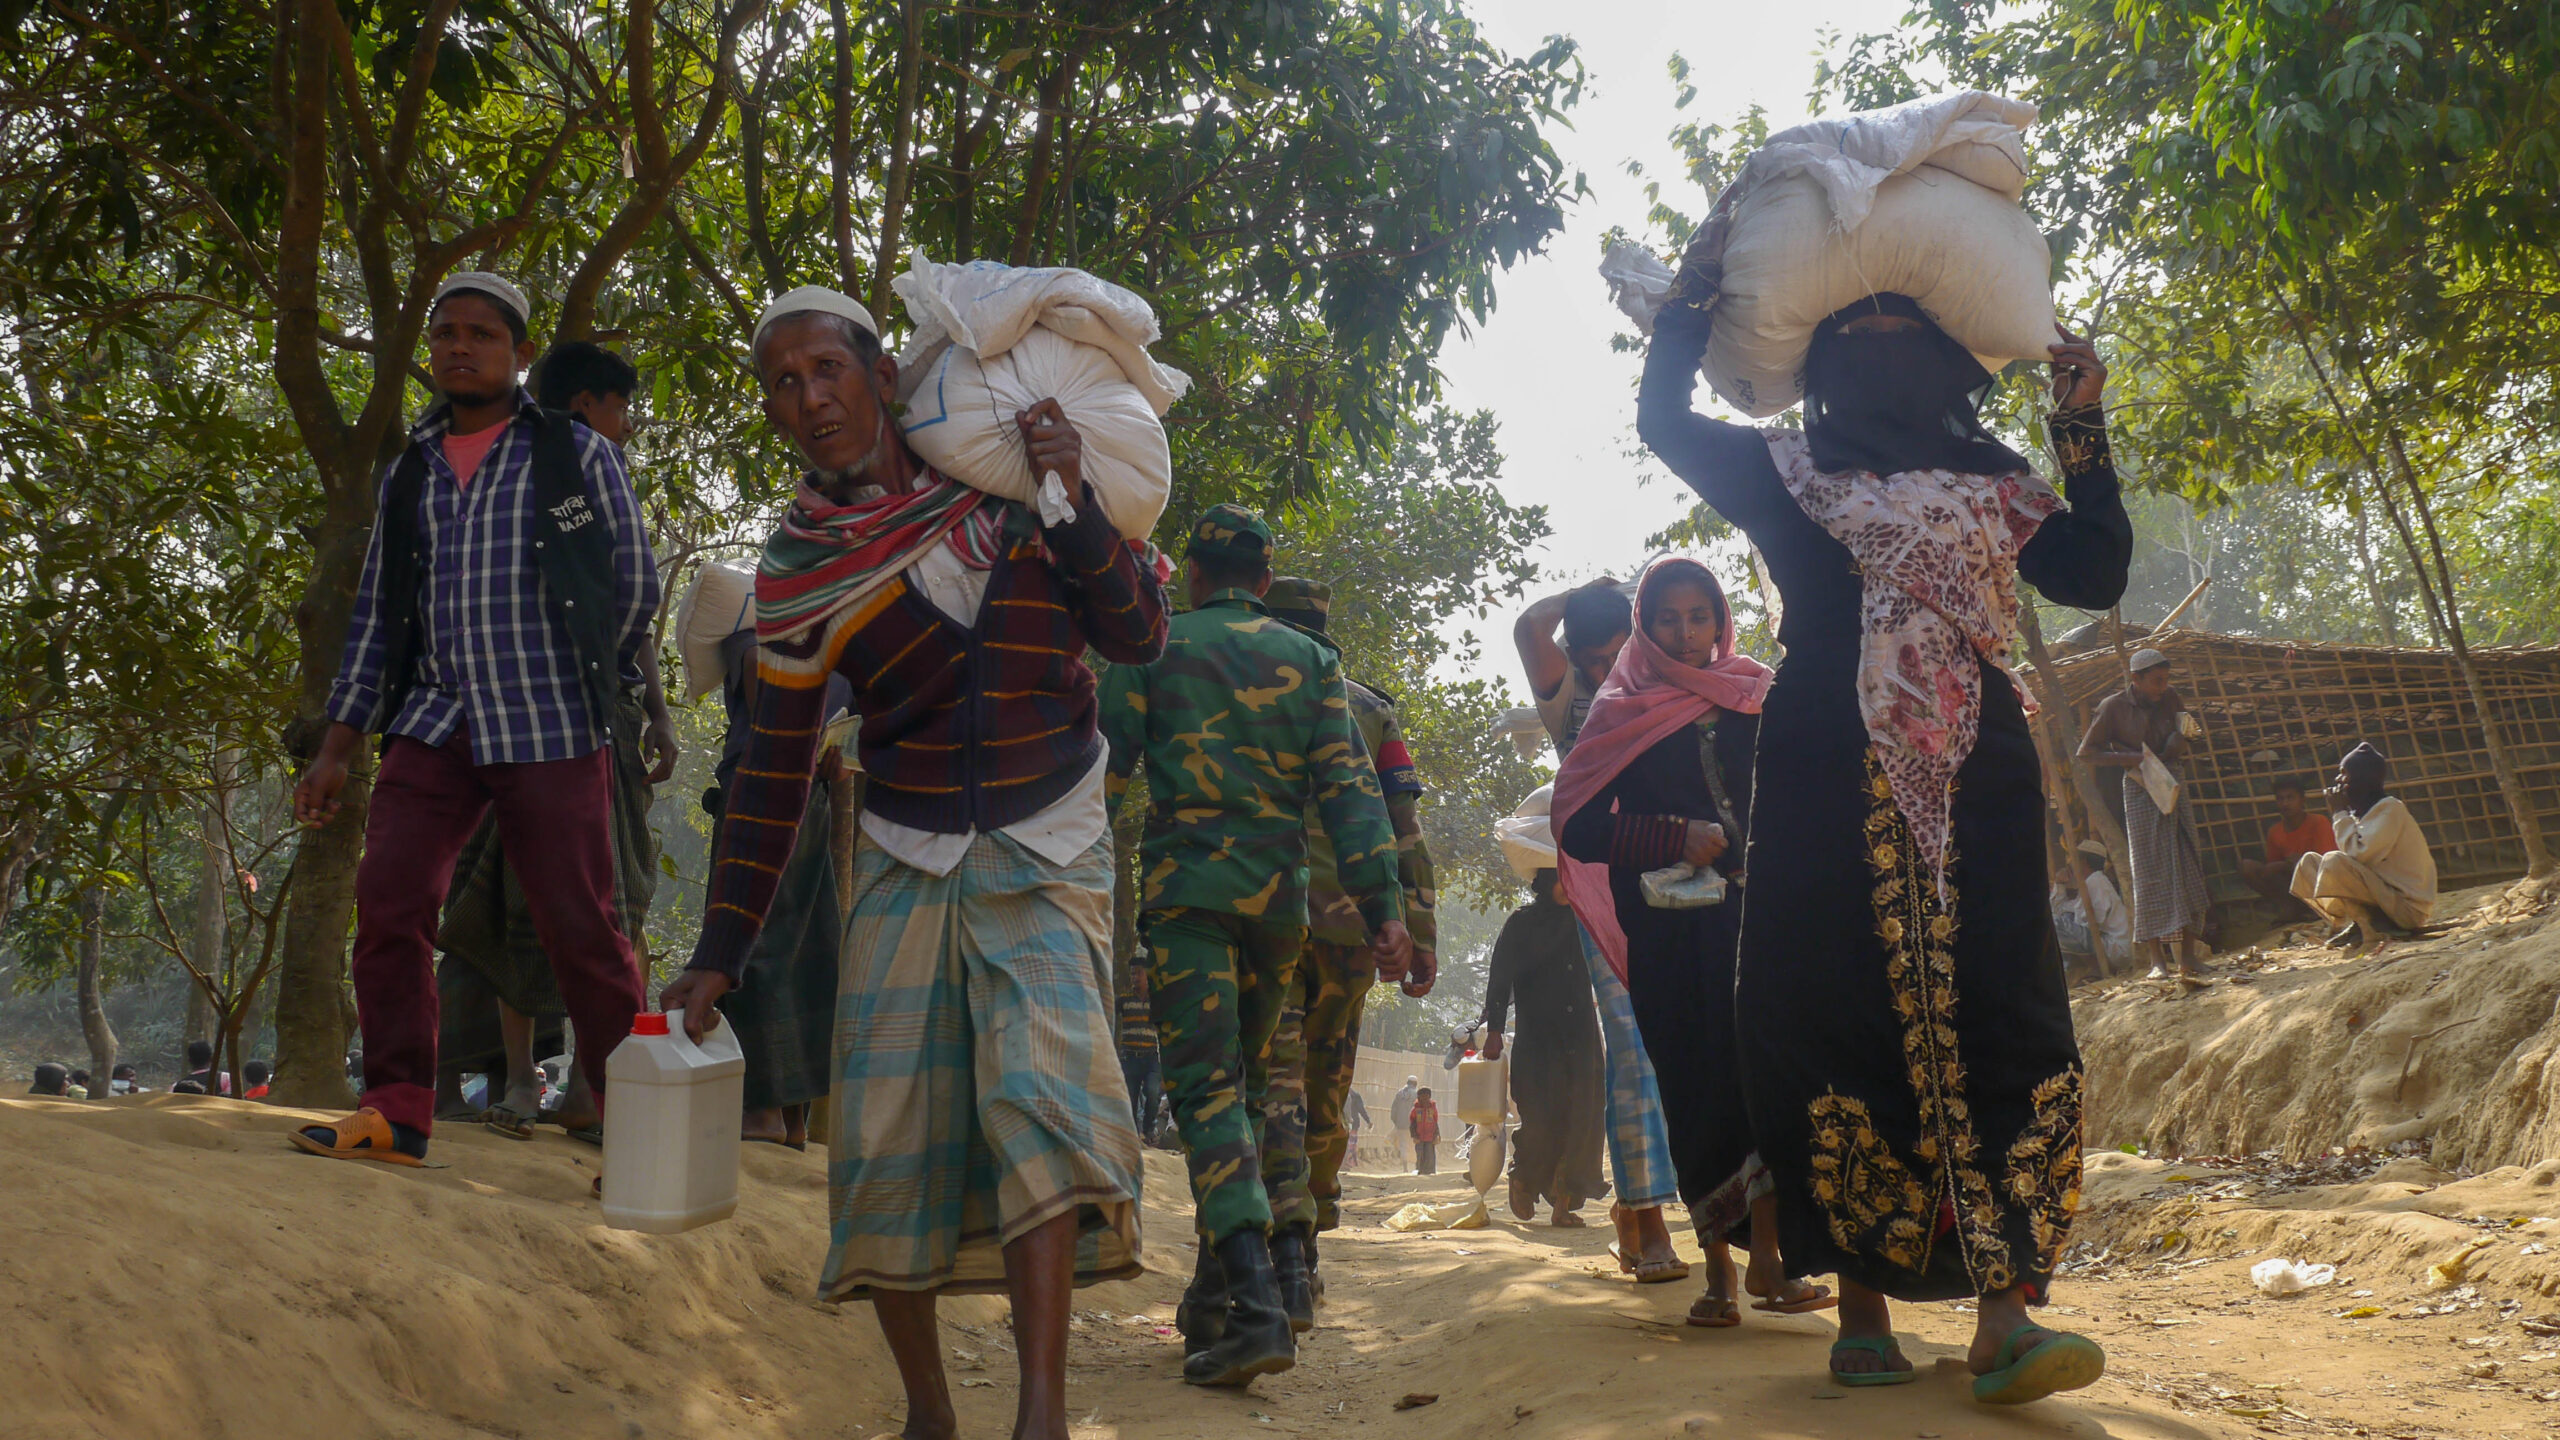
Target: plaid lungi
[[1639, 1148], [978, 1092], [2169, 895]]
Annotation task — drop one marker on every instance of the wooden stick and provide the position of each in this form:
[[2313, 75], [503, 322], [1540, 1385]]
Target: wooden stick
[[2172, 617]]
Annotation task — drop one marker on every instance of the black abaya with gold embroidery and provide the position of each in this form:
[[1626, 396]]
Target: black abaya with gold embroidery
[[1911, 1073]]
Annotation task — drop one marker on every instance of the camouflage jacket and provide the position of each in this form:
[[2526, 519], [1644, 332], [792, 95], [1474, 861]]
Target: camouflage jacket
[[1331, 915], [1244, 730]]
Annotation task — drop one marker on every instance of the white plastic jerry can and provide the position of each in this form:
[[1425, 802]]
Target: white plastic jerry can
[[1484, 1093], [671, 1119]]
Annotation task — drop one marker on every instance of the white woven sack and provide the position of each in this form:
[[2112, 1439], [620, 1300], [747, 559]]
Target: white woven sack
[[1528, 844], [1971, 258], [993, 340], [719, 603], [1918, 200]]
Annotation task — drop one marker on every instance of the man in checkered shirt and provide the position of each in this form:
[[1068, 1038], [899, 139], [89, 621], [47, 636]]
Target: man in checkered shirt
[[506, 598]]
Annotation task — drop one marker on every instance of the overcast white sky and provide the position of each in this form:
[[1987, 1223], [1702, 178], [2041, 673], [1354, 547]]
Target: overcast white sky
[[1543, 365]]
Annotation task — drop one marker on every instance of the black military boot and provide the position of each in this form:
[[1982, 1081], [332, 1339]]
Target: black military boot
[[1202, 1316], [1257, 1339], [1293, 1264], [1315, 1272]]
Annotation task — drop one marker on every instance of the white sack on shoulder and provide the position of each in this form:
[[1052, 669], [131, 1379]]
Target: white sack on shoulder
[[719, 603], [1528, 841], [991, 340]]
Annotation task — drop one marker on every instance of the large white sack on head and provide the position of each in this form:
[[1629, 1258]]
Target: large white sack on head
[[992, 340], [1971, 132], [1974, 262], [719, 603], [1528, 844], [1919, 200]]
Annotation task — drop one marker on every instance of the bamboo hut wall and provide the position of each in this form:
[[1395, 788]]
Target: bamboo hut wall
[[2273, 709]]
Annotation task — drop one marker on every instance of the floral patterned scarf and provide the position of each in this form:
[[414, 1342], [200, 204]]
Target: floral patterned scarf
[[1939, 555]]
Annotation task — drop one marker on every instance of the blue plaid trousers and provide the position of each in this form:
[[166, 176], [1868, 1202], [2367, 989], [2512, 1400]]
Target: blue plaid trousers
[[1639, 1149]]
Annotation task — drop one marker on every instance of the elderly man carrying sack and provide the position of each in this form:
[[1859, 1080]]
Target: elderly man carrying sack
[[981, 1139]]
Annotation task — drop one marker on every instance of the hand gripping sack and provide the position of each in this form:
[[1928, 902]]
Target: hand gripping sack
[[1919, 200], [992, 340]]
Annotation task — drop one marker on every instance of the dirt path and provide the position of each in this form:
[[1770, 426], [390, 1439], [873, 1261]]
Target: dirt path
[[171, 1257], [1526, 1330]]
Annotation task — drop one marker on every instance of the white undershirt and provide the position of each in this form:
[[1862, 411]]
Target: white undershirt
[[1070, 824]]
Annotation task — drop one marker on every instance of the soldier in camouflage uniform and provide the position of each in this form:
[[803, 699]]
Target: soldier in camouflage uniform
[[1319, 1031], [1243, 726]]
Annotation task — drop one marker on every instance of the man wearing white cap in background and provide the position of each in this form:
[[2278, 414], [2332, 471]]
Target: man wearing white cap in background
[[980, 1134], [2148, 719], [505, 599]]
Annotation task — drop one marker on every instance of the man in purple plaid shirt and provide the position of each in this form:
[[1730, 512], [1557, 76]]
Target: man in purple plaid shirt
[[506, 598]]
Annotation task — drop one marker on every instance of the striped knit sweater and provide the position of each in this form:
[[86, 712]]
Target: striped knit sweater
[[962, 728]]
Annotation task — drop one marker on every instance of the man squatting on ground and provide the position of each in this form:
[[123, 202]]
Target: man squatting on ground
[[1243, 726], [505, 600], [981, 1136], [2381, 877], [1317, 1045]]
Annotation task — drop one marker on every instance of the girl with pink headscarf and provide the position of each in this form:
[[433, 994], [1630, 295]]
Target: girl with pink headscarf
[[1660, 777]]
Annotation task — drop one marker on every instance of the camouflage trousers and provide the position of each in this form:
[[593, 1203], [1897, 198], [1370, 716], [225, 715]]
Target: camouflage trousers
[[1218, 983], [1312, 1054]]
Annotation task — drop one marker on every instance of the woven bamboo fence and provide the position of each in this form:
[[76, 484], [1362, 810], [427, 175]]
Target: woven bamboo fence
[[2274, 709]]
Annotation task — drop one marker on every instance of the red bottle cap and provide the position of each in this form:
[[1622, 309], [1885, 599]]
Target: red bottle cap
[[651, 1022]]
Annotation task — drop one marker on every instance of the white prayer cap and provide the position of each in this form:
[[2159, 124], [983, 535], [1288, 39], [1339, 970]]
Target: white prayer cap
[[2146, 658], [496, 287], [812, 297]]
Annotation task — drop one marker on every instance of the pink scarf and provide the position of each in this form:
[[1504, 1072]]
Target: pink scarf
[[1647, 697]]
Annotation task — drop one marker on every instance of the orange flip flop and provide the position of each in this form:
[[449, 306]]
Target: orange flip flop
[[365, 1135]]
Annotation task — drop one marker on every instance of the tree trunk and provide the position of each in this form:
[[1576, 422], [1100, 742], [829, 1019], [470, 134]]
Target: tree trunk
[[311, 1019], [2382, 608], [17, 852], [902, 133], [206, 943], [840, 146], [2537, 855], [1044, 149], [2061, 721], [93, 1006], [2436, 589]]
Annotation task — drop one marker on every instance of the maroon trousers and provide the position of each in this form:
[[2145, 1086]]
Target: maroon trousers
[[554, 820]]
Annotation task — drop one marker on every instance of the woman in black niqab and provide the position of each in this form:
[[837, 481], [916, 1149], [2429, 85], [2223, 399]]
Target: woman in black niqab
[[1886, 390]]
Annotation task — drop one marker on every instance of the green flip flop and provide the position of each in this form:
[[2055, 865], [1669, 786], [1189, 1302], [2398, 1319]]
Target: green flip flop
[[2065, 1362], [1883, 1346]]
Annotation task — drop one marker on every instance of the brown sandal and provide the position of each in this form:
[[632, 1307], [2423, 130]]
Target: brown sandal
[[1803, 1302], [1715, 1312], [1653, 1272], [365, 1135]]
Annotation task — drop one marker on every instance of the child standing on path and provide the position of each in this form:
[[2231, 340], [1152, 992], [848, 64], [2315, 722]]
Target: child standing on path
[[1424, 1124]]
